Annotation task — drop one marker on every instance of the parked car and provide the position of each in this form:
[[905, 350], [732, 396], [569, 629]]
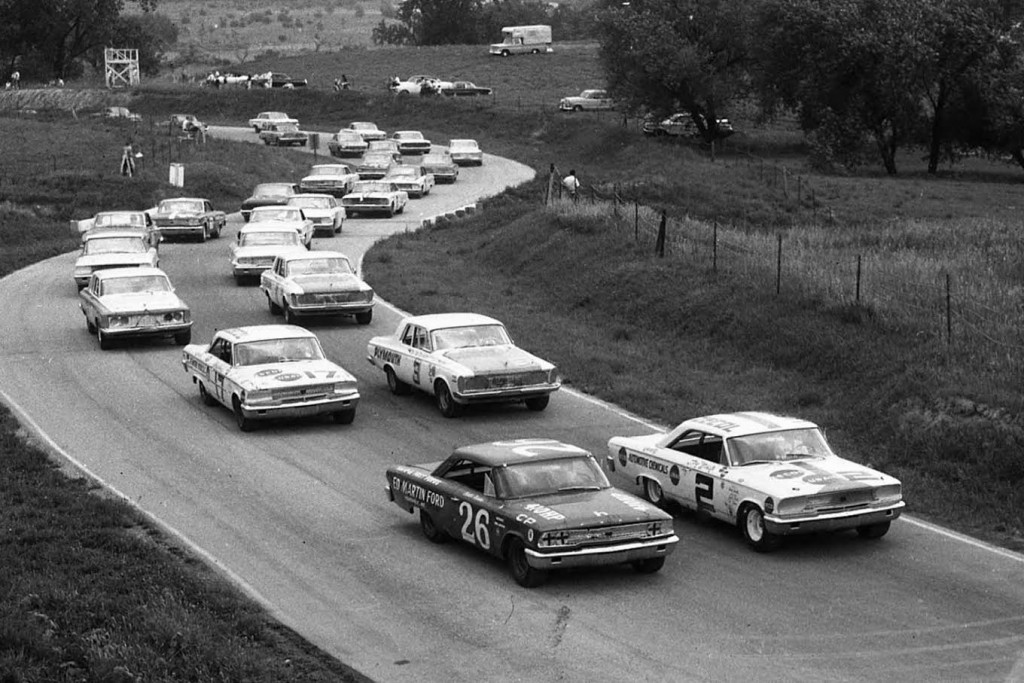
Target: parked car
[[682, 125], [588, 100], [367, 130], [375, 165], [461, 359], [316, 283], [375, 197], [258, 245], [411, 142], [266, 118], [442, 166], [262, 372], [285, 216], [770, 475], [120, 303], [414, 180], [104, 249], [464, 89], [186, 123], [189, 217], [466, 152], [419, 85], [538, 504], [324, 210], [267, 194], [333, 179], [346, 143], [273, 79], [122, 113], [283, 135]]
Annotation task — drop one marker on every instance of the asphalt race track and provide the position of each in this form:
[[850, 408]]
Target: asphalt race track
[[296, 514]]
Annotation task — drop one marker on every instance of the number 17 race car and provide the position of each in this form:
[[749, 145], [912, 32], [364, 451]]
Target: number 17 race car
[[536, 503]]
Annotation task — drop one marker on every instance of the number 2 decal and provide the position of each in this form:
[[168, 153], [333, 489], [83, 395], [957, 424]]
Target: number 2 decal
[[705, 492], [474, 529]]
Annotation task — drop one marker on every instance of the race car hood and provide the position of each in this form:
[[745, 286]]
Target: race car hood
[[326, 283], [572, 509], [482, 360], [318, 213], [142, 301], [809, 476], [363, 196], [115, 259], [289, 375]]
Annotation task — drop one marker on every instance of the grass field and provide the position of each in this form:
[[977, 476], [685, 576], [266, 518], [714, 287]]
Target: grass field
[[667, 337]]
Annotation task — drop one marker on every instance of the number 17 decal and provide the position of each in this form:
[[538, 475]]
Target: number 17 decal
[[705, 492]]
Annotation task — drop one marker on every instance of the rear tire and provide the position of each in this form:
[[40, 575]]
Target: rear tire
[[754, 532], [207, 397], [653, 491], [397, 386], [525, 575], [874, 530], [430, 529]]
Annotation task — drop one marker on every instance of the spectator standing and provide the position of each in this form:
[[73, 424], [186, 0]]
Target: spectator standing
[[572, 184], [16, 80], [344, 82]]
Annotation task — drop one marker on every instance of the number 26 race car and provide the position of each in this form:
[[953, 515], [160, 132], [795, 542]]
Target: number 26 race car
[[536, 503]]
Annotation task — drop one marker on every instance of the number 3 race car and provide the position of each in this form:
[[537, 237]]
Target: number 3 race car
[[772, 476], [268, 371], [538, 504]]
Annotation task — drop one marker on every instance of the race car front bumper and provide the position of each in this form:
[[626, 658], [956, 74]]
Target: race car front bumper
[[603, 555], [788, 526]]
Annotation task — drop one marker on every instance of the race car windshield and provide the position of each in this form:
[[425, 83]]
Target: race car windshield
[[365, 188], [272, 190], [277, 351], [404, 172], [179, 206], [135, 220], [329, 170], [262, 239], [792, 444], [116, 245], [470, 336], [311, 202], [545, 477], [276, 215], [320, 266], [136, 285]]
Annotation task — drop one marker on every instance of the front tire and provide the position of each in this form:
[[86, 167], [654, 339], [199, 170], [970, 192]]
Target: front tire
[[289, 316], [525, 575], [105, 341], [244, 423], [874, 530], [274, 308], [445, 401], [364, 317], [650, 565], [754, 531], [183, 338], [344, 417], [538, 403], [430, 529]]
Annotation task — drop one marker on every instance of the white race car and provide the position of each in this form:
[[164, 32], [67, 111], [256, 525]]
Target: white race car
[[284, 216], [122, 303], [466, 152], [326, 213], [316, 283], [270, 371], [462, 358], [268, 118], [113, 249], [415, 180], [375, 196], [257, 247], [772, 476]]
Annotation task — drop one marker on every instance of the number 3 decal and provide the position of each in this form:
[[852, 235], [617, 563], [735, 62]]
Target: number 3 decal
[[475, 530], [705, 492]]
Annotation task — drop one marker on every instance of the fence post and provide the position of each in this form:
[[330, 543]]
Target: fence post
[[615, 201], [949, 314], [659, 245], [551, 180], [778, 268], [636, 219], [714, 247], [857, 294]]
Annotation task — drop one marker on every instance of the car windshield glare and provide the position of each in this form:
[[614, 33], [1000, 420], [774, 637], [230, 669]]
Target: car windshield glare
[[259, 239], [135, 220], [311, 202], [470, 336], [290, 214], [329, 170], [545, 477], [320, 266], [142, 284], [277, 351], [779, 446], [116, 245], [272, 190]]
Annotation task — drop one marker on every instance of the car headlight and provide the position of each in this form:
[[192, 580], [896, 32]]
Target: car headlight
[[890, 493], [175, 317], [555, 539], [257, 396], [368, 295], [118, 321]]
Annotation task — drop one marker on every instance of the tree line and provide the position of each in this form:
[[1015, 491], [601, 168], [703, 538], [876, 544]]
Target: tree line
[[865, 78]]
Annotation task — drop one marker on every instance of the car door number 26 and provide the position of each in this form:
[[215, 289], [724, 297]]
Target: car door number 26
[[474, 527]]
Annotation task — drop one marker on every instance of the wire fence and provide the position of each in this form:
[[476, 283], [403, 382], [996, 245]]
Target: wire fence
[[972, 318]]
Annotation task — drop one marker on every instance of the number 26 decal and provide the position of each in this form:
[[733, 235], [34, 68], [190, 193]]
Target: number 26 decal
[[474, 529], [705, 492]]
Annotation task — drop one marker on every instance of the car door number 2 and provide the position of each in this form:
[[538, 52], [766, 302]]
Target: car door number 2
[[705, 492], [474, 527]]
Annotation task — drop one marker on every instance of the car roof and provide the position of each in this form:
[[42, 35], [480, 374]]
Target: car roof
[[183, 199], [110, 233], [407, 132], [497, 453], [263, 332], [312, 255], [462, 141], [730, 425], [130, 271], [363, 123], [268, 114], [308, 195], [435, 321]]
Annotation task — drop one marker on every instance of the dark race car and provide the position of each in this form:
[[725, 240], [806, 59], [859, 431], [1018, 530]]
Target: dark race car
[[538, 504]]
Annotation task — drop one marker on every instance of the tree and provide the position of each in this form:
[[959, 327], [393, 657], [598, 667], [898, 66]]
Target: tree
[[686, 55], [150, 33], [440, 22]]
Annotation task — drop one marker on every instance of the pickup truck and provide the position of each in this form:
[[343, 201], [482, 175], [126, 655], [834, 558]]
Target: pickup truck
[[588, 100], [189, 217], [280, 134]]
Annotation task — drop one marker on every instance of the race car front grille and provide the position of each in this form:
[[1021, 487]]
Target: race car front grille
[[302, 393], [506, 380], [829, 503], [609, 535], [261, 261], [330, 298]]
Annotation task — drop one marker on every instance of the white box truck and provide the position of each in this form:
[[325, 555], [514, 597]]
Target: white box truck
[[521, 40]]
